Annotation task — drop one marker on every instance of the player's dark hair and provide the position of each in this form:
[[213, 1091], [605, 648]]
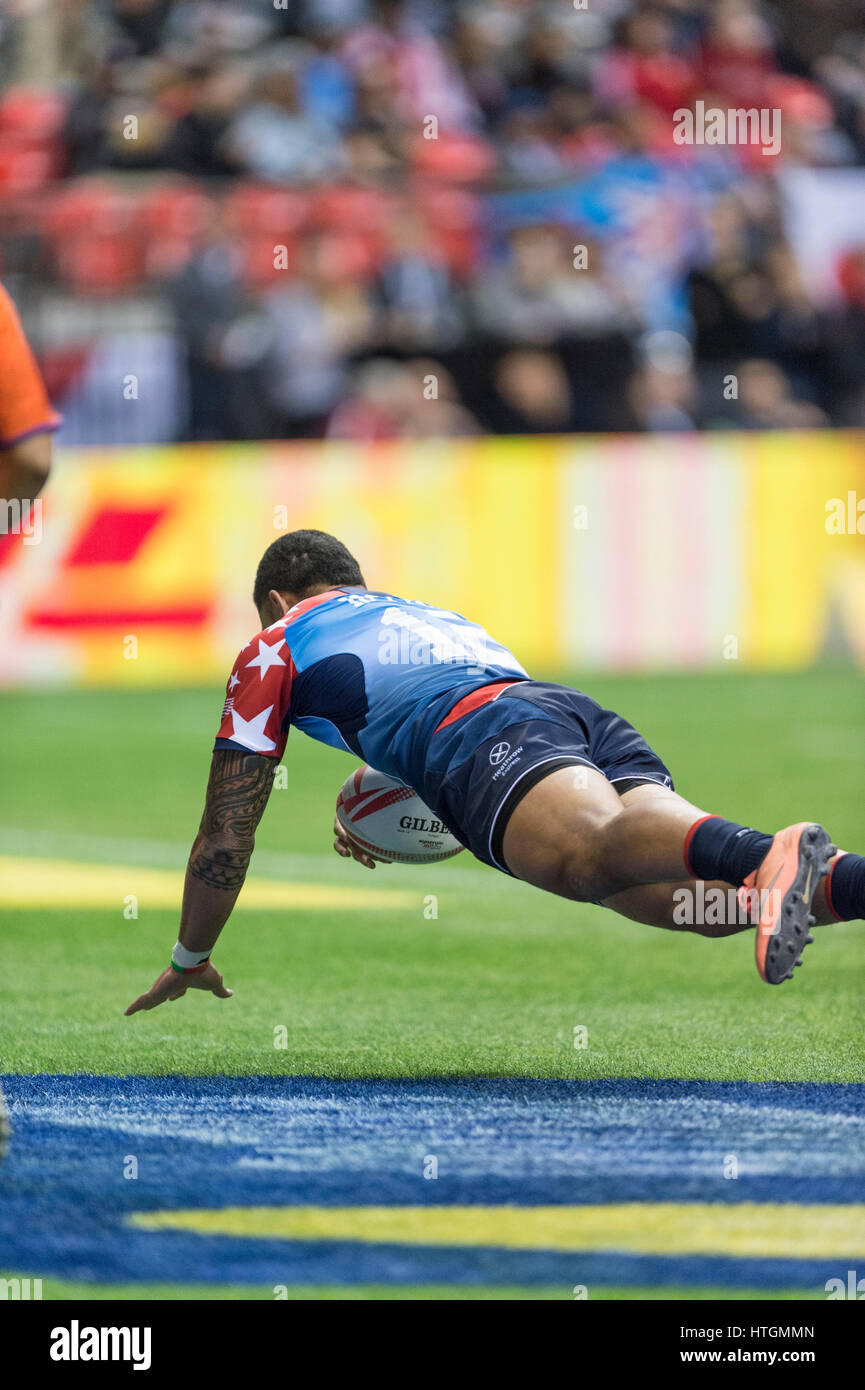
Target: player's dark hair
[[302, 561]]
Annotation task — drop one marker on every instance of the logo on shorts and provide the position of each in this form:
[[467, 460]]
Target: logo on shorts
[[499, 752]]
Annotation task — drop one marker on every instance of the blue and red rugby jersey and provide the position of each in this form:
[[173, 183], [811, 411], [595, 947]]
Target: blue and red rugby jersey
[[365, 672]]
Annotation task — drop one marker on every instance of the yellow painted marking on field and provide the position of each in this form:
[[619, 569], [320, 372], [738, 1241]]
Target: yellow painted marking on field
[[769, 1230], [50, 883]]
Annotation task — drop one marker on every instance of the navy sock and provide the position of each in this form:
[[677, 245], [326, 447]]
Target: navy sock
[[716, 848], [847, 887]]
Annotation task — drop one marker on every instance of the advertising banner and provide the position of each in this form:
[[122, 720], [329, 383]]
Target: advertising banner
[[581, 553]]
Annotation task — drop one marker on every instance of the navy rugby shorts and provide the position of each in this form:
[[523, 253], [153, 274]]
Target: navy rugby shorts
[[482, 762]]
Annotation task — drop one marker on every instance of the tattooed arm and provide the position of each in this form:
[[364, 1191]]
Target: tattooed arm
[[237, 794]]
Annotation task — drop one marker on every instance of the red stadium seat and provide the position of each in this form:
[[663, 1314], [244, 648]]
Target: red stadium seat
[[457, 158], [851, 275], [177, 209], [173, 218], [95, 233], [800, 101], [353, 222], [25, 166], [86, 204], [453, 216], [102, 265], [33, 113], [259, 270], [360, 209], [347, 256], [166, 255], [278, 212], [30, 147]]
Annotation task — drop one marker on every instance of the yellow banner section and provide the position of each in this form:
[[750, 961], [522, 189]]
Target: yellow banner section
[[597, 553]]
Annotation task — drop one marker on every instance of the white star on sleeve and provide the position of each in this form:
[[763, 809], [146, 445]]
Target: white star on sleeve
[[235, 680], [250, 732], [267, 656]]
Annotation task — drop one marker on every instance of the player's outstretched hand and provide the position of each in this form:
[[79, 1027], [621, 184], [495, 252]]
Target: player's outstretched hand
[[347, 849], [169, 985]]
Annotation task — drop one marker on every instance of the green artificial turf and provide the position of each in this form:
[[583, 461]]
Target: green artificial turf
[[495, 984], [74, 1291]]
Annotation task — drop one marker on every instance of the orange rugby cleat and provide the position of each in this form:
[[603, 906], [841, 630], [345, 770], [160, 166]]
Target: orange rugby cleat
[[782, 889]]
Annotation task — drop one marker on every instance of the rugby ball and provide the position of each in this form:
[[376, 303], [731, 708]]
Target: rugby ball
[[389, 821]]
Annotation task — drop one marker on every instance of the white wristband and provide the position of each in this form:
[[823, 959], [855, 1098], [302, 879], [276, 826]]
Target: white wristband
[[188, 960]]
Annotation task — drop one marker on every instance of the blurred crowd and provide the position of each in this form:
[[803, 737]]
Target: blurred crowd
[[368, 218]]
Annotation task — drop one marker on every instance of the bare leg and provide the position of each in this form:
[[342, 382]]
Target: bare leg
[[587, 806], [659, 905], [573, 835]]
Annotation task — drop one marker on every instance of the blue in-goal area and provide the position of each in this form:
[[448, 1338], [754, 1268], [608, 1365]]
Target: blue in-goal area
[[94, 1159]]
